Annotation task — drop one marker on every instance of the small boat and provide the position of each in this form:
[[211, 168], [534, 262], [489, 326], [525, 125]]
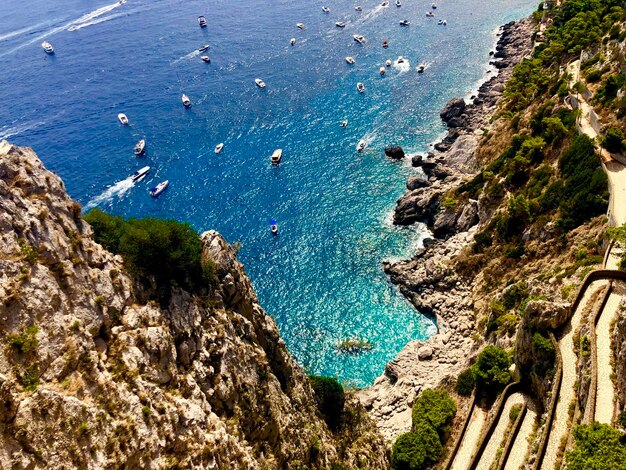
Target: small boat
[[159, 188], [273, 227], [203, 48], [300, 25], [388, 63], [400, 60], [293, 41], [382, 71], [361, 146], [398, 4], [277, 156], [326, 9], [140, 174], [206, 58], [340, 24], [186, 101], [358, 38], [218, 148], [350, 59], [385, 44], [360, 87], [202, 21], [421, 68], [47, 47], [404, 22], [434, 5], [140, 147], [430, 14], [344, 123], [123, 119], [260, 83], [358, 8], [384, 4], [442, 22]]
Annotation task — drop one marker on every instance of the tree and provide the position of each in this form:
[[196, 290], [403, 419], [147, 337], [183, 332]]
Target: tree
[[465, 382], [416, 450], [330, 399], [597, 446], [613, 140], [436, 408], [492, 369]]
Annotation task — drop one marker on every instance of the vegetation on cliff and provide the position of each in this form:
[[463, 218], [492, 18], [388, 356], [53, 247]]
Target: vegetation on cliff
[[597, 446]]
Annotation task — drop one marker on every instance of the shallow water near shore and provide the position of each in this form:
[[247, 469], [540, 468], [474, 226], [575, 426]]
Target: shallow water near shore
[[321, 277]]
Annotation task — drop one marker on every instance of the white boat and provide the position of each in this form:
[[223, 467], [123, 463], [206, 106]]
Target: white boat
[[360, 87], [159, 188], [203, 48], [277, 156], [384, 4], [404, 22], [430, 14], [218, 148], [358, 38], [326, 9], [273, 227], [202, 21], [442, 22], [186, 101], [358, 8], [434, 5], [344, 123], [350, 59], [140, 147], [206, 58], [400, 60], [293, 41], [340, 24], [421, 68], [260, 83], [382, 70], [300, 25], [123, 119], [398, 4], [361, 146], [388, 63], [140, 174], [47, 47]]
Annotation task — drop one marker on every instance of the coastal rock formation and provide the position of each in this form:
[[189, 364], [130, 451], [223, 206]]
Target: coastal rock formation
[[454, 108], [395, 152], [91, 376]]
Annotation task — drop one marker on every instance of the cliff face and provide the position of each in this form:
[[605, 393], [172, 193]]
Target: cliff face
[[92, 378]]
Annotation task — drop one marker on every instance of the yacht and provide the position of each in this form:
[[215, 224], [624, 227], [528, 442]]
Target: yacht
[[361, 146], [398, 4], [277, 156], [385, 44], [159, 188], [384, 4], [360, 87], [430, 14], [358, 8], [123, 119], [388, 63], [219, 147], [344, 123], [260, 83], [404, 22], [206, 58], [340, 24], [186, 101], [47, 47], [434, 5], [273, 227], [203, 48], [421, 68], [140, 147], [326, 9], [350, 59], [382, 71], [293, 41], [202, 21], [300, 25], [140, 174], [358, 38]]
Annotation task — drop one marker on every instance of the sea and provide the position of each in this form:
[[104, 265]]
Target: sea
[[321, 277]]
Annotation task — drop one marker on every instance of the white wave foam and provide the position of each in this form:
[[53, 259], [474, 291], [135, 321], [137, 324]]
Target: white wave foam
[[76, 27], [191, 55], [402, 67], [18, 32], [89, 17], [117, 190]]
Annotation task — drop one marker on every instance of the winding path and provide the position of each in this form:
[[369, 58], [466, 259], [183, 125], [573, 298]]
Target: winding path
[[470, 439], [521, 446]]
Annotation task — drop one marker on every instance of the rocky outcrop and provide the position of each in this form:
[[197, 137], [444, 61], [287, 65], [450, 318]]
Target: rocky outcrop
[[395, 152], [453, 109], [92, 377]]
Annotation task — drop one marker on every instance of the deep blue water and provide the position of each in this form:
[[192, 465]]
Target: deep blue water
[[321, 278]]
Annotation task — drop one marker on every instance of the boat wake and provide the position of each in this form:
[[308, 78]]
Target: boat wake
[[191, 55], [402, 67], [76, 27], [117, 190], [18, 32], [373, 13], [88, 18]]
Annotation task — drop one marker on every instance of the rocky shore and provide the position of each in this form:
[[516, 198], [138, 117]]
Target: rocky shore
[[428, 279]]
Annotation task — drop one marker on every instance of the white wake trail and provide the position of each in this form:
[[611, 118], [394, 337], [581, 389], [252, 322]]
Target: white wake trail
[[117, 190]]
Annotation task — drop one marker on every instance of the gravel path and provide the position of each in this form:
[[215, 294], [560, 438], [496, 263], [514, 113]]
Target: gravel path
[[605, 393], [470, 439], [616, 173], [518, 454], [489, 455], [570, 374]]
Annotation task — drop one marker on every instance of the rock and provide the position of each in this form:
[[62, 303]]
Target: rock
[[468, 217], [425, 353], [416, 160], [544, 315], [395, 152], [416, 206], [454, 108], [416, 182]]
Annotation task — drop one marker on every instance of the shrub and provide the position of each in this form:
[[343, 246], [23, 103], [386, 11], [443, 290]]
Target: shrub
[[436, 408], [543, 345], [622, 419], [465, 382], [416, 450], [330, 399], [554, 130], [597, 446], [613, 140], [492, 369], [26, 341]]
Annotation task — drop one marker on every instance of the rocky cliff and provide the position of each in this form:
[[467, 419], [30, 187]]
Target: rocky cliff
[[93, 377]]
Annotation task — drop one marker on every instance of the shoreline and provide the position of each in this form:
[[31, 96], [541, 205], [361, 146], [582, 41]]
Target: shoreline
[[426, 280]]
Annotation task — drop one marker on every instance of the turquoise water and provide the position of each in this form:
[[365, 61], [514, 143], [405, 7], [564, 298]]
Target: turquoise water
[[321, 278]]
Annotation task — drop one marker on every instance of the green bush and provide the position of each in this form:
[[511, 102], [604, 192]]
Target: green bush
[[26, 341], [598, 446], [613, 140], [436, 408], [492, 369], [466, 382], [416, 450], [170, 252], [330, 399], [543, 345]]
